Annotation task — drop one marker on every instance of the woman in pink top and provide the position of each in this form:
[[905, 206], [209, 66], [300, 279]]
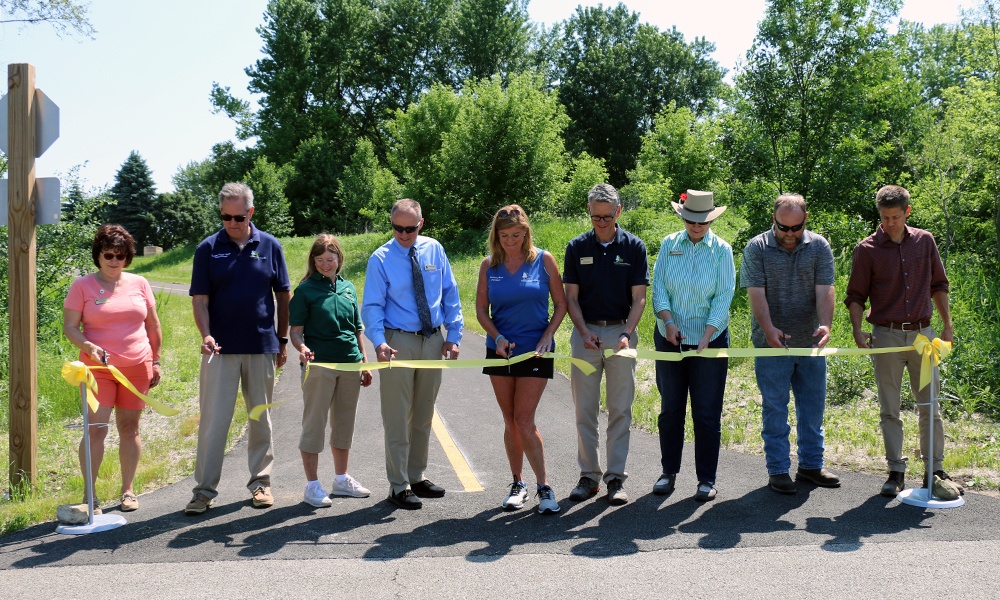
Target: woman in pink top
[[111, 316]]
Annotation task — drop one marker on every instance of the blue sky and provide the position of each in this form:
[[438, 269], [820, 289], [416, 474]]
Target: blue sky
[[143, 83]]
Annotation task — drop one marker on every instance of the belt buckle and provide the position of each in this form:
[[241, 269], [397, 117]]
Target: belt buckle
[[907, 326]]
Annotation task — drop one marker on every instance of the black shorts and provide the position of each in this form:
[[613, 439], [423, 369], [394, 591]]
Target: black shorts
[[533, 367]]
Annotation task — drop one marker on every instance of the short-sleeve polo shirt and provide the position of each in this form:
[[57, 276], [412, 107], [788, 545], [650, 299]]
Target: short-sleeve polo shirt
[[789, 279], [328, 313], [240, 285], [606, 274]]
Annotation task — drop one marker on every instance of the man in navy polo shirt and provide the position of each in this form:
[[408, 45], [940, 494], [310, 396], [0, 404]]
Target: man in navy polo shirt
[[239, 277], [606, 273]]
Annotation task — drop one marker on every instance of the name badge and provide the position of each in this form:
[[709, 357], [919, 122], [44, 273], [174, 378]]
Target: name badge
[[587, 260], [100, 300], [676, 253], [430, 267]]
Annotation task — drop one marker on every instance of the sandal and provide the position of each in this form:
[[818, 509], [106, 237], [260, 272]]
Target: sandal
[[129, 502]]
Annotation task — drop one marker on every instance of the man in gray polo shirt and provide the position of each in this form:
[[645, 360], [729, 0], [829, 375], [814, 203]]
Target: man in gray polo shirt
[[788, 272]]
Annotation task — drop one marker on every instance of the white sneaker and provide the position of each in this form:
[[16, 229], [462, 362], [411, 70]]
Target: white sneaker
[[516, 498], [547, 500], [316, 496], [350, 487]]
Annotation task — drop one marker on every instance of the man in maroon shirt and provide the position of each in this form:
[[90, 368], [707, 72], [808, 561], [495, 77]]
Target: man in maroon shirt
[[899, 271]]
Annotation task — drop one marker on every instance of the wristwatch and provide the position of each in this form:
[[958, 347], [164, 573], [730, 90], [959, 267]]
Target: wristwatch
[[282, 340]]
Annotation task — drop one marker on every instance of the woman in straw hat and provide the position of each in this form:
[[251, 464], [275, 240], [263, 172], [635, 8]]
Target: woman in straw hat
[[693, 284]]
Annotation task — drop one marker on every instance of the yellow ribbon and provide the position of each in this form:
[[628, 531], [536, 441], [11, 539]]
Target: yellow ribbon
[[76, 372], [930, 351], [750, 352], [466, 363]]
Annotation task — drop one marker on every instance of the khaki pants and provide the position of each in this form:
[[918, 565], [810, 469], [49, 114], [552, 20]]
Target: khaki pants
[[889, 377], [220, 380], [408, 397], [619, 374], [329, 395]]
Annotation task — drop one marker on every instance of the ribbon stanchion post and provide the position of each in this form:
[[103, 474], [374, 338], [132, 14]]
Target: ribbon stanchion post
[[931, 353], [78, 373]]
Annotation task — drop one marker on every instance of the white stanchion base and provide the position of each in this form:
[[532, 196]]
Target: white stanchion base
[[101, 523], [923, 497]]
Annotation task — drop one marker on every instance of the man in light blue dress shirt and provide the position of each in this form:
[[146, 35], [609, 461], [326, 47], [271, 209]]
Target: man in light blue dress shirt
[[393, 324]]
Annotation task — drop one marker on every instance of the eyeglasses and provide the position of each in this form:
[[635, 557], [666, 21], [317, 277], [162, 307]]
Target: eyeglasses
[[602, 218], [786, 228], [509, 213], [237, 218], [401, 229], [111, 255]]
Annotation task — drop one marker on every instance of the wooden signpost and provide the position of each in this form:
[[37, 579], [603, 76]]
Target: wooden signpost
[[27, 137]]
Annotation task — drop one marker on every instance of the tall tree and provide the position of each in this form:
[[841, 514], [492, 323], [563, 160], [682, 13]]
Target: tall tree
[[823, 107], [135, 195], [488, 146], [679, 153], [616, 75], [182, 219], [65, 16], [489, 37], [271, 212]]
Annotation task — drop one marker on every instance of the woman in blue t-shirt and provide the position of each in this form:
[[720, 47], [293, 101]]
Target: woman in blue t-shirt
[[512, 303]]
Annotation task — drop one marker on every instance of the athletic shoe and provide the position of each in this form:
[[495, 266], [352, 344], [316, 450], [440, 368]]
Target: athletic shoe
[[316, 496], [516, 498], [349, 487], [547, 500]]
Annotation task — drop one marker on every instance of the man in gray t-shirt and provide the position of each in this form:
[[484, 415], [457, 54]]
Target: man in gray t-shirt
[[788, 272]]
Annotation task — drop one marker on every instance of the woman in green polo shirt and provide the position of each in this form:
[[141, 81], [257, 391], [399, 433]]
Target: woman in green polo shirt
[[326, 327]]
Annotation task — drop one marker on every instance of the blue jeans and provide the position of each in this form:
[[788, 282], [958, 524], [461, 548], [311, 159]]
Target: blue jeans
[[705, 379], [806, 377]]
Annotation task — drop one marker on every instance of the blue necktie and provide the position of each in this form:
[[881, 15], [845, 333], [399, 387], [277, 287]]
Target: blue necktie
[[418, 288]]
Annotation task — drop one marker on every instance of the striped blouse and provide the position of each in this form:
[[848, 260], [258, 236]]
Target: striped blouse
[[695, 282]]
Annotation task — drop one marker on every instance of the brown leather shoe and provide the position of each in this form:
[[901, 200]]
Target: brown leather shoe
[[781, 483], [820, 477], [894, 484]]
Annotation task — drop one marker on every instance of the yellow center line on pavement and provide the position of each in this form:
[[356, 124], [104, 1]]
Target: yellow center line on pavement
[[455, 456]]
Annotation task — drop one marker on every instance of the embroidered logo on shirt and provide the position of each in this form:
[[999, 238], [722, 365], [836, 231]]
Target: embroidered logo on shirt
[[255, 256], [618, 259], [225, 255], [526, 279]]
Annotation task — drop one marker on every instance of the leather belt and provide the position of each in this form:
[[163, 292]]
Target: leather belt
[[606, 323], [910, 326], [420, 333]]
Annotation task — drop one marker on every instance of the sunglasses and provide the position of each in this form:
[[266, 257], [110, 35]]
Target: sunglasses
[[697, 222], [787, 228], [111, 255], [401, 229], [237, 218], [503, 214]]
